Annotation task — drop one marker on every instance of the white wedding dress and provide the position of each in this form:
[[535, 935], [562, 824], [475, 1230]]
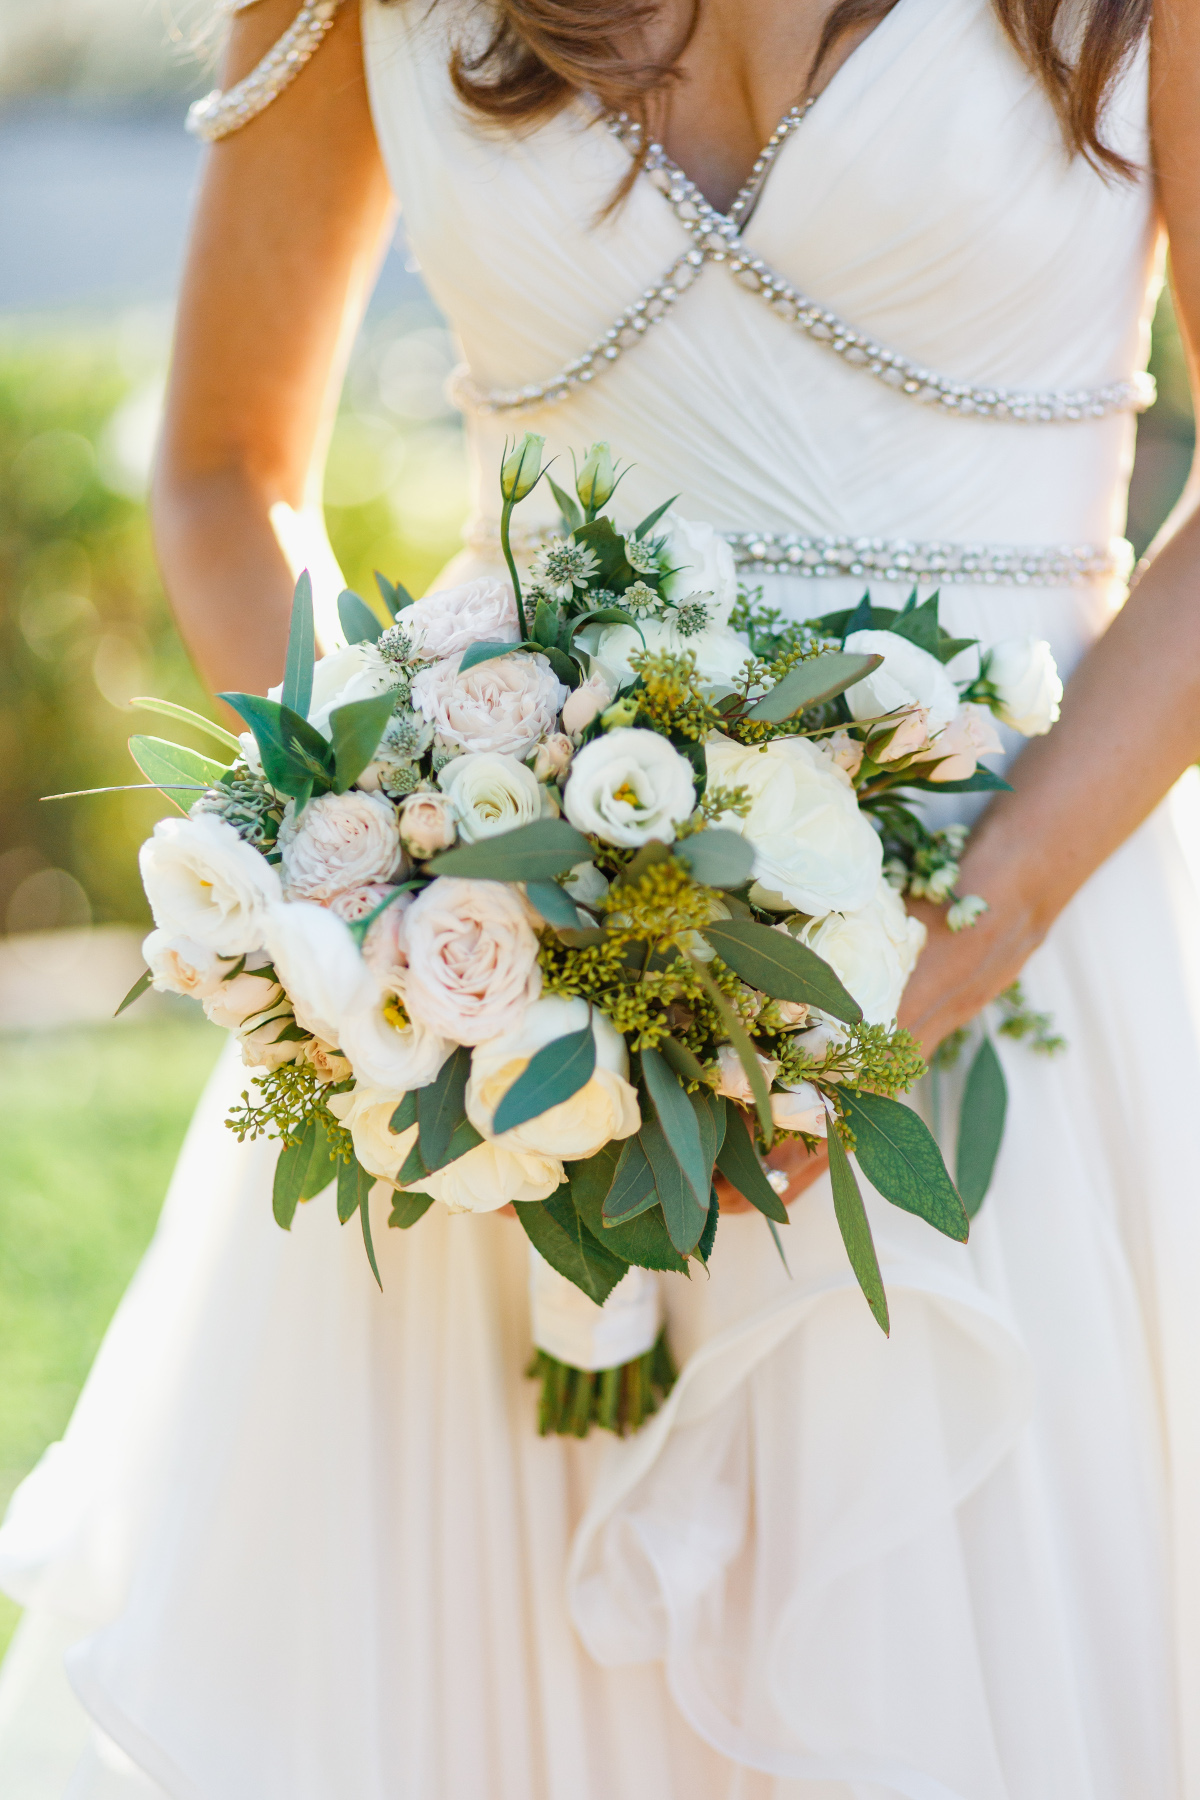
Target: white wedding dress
[[301, 1541]]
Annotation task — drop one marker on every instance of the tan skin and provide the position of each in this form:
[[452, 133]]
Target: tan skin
[[284, 244]]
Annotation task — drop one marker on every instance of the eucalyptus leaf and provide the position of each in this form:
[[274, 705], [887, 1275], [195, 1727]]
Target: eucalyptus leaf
[[405, 1115], [136, 991], [983, 781], [738, 1162], [899, 1156], [680, 1125], [360, 623], [355, 730], [555, 906], [717, 858], [708, 1236], [350, 1177], [775, 963], [534, 852], [558, 1070], [810, 683], [294, 754], [394, 594], [168, 765], [651, 519], [408, 1208], [568, 507], [184, 714], [685, 1215], [643, 859], [980, 1127], [412, 1169], [304, 1168], [685, 1063], [559, 1235], [643, 1239], [440, 1108], [486, 650], [301, 650], [855, 1228], [632, 1190], [739, 1037]]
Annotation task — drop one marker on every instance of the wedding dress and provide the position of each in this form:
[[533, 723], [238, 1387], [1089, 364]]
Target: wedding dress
[[301, 1541]]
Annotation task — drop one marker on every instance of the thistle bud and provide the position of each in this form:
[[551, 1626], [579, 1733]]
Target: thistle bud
[[520, 471], [596, 480]]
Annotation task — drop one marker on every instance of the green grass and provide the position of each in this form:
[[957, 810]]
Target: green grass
[[91, 1119]]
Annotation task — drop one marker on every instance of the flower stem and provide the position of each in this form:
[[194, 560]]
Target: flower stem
[[505, 545]]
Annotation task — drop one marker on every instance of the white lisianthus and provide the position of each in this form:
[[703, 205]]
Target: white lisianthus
[[718, 650], [734, 1082], [969, 735], [427, 825], [356, 673], [366, 1113], [472, 960], [1026, 679], [339, 841], [506, 704], [492, 793], [800, 1108], [606, 1107], [205, 883], [813, 848], [480, 611], [586, 703], [489, 1176], [909, 676], [701, 562], [872, 951], [179, 966], [320, 965], [629, 786], [389, 1050]]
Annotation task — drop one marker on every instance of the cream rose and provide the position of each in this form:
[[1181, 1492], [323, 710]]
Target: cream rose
[[472, 960], [586, 703], [1026, 679], [969, 735], [800, 1108], [552, 758], [733, 1081], [321, 968], [905, 738], [339, 841], [489, 1176], [204, 883], [629, 786], [266, 1047], [908, 676], [442, 624], [366, 1113], [245, 997], [492, 793], [606, 1107], [872, 951], [427, 825], [506, 704], [813, 848], [179, 966]]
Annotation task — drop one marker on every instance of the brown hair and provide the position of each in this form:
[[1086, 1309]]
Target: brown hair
[[540, 53]]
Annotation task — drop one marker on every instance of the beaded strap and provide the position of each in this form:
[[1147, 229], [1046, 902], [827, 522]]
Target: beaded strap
[[218, 114]]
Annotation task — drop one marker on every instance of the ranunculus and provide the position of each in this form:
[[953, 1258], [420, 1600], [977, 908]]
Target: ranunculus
[[606, 1107], [629, 786], [812, 846], [969, 735], [366, 1113], [356, 673], [909, 676], [320, 966], [800, 1108], [203, 882], [702, 563], [734, 1082], [552, 758], [1025, 676], [179, 966], [489, 1176], [872, 951], [480, 611], [472, 960], [719, 651], [586, 703], [427, 825], [339, 841], [491, 793], [506, 704]]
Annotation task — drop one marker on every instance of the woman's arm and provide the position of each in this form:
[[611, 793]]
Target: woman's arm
[[283, 249]]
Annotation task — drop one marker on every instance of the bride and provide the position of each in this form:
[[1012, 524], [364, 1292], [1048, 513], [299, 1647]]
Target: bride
[[301, 1541]]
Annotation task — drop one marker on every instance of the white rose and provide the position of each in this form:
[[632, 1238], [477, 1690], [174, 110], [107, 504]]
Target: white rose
[[489, 1176], [800, 1108], [702, 563], [629, 786], [473, 960], [491, 793], [339, 841], [442, 624], [969, 735], [719, 651], [872, 951], [586, 703], [427, 825], [813, 848], [908, 676], [506, 704], [179, 966], [606, 1107], [321, 968], [203, 882], [1025, 676], [356, 673], [366, 1113], [734, 1083]]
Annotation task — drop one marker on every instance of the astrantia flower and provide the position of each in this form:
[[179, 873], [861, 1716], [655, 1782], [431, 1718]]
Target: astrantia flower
[[691, 618], [642, 601], [642, 555], [396, 647], [562, 566]]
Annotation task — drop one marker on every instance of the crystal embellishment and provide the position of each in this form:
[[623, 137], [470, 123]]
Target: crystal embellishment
[[218, 114]]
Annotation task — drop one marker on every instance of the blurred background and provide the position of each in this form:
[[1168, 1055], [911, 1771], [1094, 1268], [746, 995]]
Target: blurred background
[[96, 179]]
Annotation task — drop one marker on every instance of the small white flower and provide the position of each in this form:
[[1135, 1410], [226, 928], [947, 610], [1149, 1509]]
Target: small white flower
[[642, 601], [506, 704], [491, 794], [642, 555], [719, 652], [701, 563], [427, 824], [629, 786], [908, 676], [179, 966], [1026, 679], [965, 912], [561, 566], [969, 735], [204, 883], [800, 1108], [339, 841], [585, 883], [734, 1082], [247, 996], [552, 758]]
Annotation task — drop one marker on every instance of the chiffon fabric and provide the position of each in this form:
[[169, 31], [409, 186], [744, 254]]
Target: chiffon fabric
[[301, 1541]]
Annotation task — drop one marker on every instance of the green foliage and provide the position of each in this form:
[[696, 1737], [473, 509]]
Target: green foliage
[[440, 1111], [558, 1234], [899, 1155], [855, 1228], [1019, 1020], [305, 1167], [980, 1126], [777, 964], [738, 1161], [539, 851], [619, 1399], [558, 1070]]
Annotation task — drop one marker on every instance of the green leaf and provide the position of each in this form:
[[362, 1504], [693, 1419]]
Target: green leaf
[[863, 617], [738, 1162], [603, 615], [708, 1236], [558, 1234], [950, 647], [568, 506], [632, 1190], [919, 624], [717, 858], [555, 906], [412, 1169], [394, 594], [486, 650], [545, 623], [350, 1177], [983, 781], [899, 1155], [304, 1169], [776, 964], [564, 666], [171, 765], [136, 991], [359, 621], [710, 1117], [680, 1124], [301, 650], [739, 1037], [686, 1216], [643, 1239], [645, 858], [558, 1070], [599, 536], [980, 1127], [355, 731], [855, 1228], [534, 852], [293, 752], [810, 683], [186, 716], [651, 519], [686, 1065], [405, 1115], [408, 1208], [440, 1108]]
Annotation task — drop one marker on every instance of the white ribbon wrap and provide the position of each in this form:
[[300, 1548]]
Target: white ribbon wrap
[[569, 1326]]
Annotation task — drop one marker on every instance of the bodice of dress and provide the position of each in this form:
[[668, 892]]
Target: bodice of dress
[[926, 198]]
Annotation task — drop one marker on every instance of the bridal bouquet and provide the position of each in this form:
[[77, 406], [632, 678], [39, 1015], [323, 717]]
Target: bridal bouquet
[[572, 891]]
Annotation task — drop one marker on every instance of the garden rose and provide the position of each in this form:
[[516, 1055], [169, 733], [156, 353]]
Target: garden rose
[[552, 758], [320, 966], [734, 1083], [872, 951], [480, 611], [339, 841], [701, 562], [629, 786], [813, 848], [489, 1176], [366, 1113], [492, 793], [473, 960], [506, 704], [1026, 679], [800, 1108], [204, 883], [908, 676], [427, 825], [606, 1107]]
